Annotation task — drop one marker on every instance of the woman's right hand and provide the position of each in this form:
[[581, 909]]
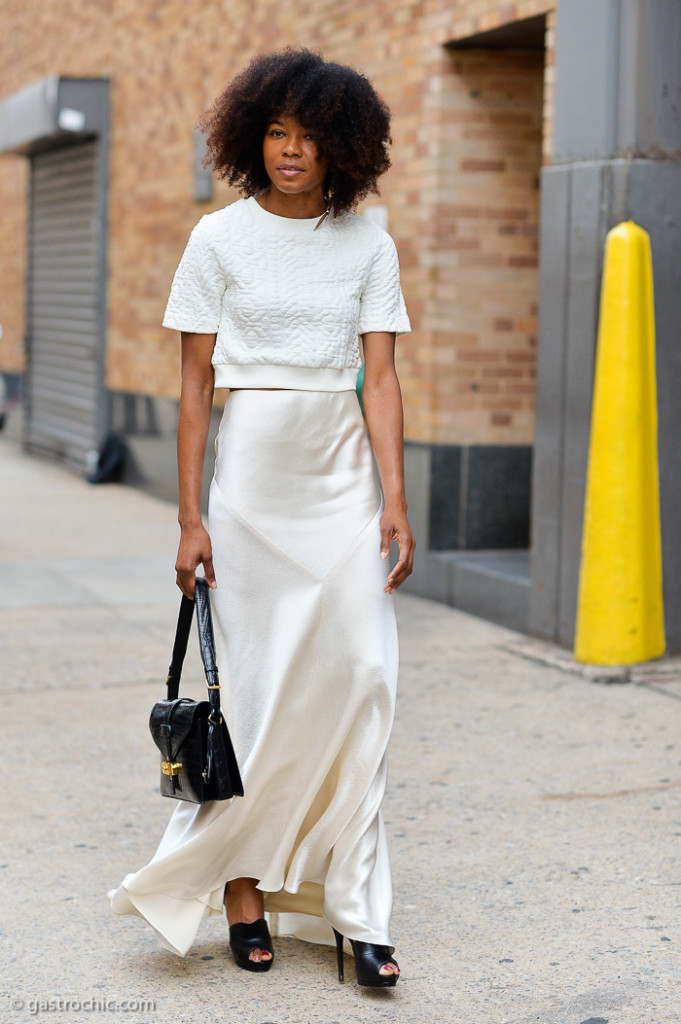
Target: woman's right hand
[[195, 549]]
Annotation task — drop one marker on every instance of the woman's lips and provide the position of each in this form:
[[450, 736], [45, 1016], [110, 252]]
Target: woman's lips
[[290, 171]]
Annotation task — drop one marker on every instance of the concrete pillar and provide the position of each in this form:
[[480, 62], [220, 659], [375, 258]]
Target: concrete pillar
[[616, 156]]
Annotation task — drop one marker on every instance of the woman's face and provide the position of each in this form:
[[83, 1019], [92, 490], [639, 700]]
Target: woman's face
[[292, 160]]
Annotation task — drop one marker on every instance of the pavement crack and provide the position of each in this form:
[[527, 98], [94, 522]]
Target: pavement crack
[[634, 791]]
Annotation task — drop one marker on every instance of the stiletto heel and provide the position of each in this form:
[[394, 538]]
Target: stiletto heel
[[339, 954], [369, 958]]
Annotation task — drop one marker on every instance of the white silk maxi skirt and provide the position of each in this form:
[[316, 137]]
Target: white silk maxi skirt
[[307, 651]]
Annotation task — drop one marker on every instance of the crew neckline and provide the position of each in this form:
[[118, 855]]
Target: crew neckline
[[286, 223]]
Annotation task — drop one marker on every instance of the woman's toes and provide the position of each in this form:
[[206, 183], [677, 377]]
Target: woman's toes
[[389, 969], [259, 954]]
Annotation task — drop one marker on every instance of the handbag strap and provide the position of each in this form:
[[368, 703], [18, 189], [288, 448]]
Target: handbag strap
[[204, 621], [184, 623]]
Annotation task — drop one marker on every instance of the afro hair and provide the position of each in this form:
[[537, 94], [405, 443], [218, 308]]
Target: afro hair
[[350, 122]]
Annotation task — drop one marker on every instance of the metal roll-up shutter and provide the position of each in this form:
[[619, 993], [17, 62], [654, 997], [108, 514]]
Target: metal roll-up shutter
[[64, 391]]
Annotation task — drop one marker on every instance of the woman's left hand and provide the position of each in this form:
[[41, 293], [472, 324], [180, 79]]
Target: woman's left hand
[[395, 526]]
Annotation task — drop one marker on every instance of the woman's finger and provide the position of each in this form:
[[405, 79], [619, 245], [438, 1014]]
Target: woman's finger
[[403, 567], [185, 581], [386, 534], [209, 572]]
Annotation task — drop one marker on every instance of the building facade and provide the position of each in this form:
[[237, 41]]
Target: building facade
[[100, 184]]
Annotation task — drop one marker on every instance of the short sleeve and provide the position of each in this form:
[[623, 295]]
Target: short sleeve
[[382, 305], [196, 293]]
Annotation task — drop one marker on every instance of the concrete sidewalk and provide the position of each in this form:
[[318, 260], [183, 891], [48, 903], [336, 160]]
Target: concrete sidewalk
[[533, 815]]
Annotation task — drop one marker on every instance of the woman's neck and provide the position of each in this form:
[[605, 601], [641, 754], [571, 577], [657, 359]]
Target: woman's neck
[[303, 206]]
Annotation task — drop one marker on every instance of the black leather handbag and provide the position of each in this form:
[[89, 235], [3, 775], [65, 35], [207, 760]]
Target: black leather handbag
[[197, 756]]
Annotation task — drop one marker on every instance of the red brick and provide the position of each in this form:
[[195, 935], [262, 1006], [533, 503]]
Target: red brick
[[483, 165]]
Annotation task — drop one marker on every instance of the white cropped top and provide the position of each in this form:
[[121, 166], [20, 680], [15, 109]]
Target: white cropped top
[[286, 302]]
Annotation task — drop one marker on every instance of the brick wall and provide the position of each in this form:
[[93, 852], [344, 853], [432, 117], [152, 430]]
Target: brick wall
[[14, 206], [460, 195], [469, 17], [474, 358]]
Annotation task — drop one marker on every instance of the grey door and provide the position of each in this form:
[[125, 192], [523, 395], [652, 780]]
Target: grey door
[[65, 413]]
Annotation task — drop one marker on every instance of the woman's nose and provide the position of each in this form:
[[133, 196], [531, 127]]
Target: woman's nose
[[293, 146]]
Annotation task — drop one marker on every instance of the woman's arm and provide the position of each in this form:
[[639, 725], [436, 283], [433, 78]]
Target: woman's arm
[[382, 401], [196, 401]]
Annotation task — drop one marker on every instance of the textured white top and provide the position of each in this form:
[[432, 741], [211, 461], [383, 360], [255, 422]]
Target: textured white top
[[287, 303]]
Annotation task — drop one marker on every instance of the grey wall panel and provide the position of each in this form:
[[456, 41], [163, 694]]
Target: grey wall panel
[[588, 230], [655, 195], [548, 437], [587, 45], [479, 497], [618, 79], [417, 471], [657, 31]]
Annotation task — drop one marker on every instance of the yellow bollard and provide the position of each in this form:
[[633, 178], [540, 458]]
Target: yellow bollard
[[620, 618]]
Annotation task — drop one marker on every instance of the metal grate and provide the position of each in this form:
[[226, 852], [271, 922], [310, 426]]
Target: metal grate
[[64, 391]]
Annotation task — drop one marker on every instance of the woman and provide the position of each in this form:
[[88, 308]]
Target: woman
[[271, 296]]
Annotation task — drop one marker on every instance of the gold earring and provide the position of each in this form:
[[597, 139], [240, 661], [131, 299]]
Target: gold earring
[[327, 211]]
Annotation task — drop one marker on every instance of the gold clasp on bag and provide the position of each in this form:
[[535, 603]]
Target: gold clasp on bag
[[171, 768]]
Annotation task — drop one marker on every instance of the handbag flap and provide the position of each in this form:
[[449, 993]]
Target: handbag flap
[[171, 722]]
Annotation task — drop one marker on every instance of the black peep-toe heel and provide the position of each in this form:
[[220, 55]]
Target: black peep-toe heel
[[244, 938], [369, 958]]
